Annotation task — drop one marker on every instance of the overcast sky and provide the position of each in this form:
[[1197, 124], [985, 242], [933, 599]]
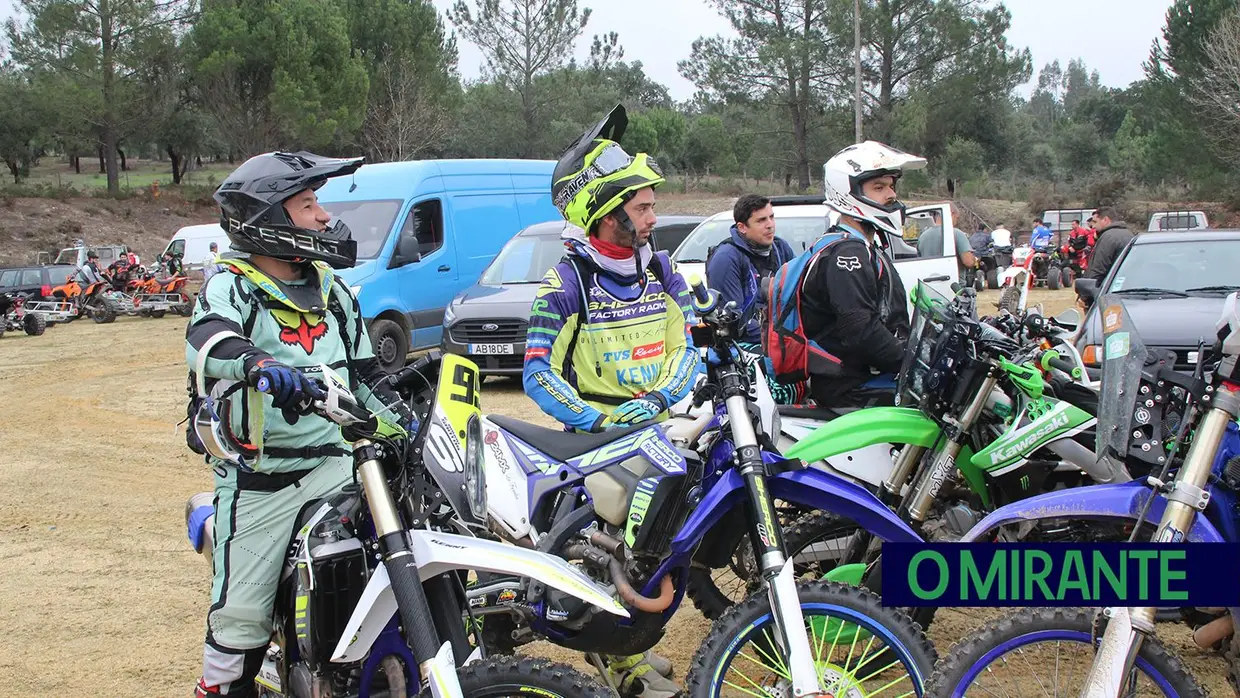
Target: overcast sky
[[1112, 36]]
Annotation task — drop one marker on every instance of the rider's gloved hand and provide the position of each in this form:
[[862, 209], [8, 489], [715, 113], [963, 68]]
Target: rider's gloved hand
[[375, 427], [288, 387], [639, 409]]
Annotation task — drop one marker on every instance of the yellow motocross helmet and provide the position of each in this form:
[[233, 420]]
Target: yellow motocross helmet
[[595, 175]]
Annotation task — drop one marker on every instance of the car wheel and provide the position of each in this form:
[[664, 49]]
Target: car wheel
[[390, 343]]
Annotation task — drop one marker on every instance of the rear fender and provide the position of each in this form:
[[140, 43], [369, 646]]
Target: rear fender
[[868, 427], [437, 553], [1119, 502]]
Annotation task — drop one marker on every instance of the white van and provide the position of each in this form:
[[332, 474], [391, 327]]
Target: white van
[[193, 244]]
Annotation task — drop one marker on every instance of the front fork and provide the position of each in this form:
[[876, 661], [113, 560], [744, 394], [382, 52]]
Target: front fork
[[767, 538], [436, 665], [1128, 627]]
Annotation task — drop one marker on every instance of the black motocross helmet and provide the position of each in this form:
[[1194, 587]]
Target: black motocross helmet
[[252, 208]]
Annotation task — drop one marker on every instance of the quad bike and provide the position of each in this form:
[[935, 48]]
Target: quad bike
[[14, 316], [371, 599], [1072, 260], [153, 297], [91, 300], [1030, 268]]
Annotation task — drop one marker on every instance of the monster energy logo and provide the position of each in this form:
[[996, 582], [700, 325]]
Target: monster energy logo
[[1024, 482]]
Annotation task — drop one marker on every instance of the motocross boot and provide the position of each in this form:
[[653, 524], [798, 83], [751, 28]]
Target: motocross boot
[[638, 677]]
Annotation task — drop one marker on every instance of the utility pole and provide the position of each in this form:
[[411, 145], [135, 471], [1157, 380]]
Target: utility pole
[[857, 68]]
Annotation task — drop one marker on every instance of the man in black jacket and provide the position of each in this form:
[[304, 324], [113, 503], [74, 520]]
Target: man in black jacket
[[854, 302], [1113, 236]]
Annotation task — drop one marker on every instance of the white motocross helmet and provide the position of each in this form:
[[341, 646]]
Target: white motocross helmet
[[848, 169]]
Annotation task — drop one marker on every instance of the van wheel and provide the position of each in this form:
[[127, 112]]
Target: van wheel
[[390, 343]]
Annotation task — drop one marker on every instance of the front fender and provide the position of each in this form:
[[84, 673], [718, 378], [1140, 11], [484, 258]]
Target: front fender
[[808, 487], [437, 553], [1117, 501], [867, 427]]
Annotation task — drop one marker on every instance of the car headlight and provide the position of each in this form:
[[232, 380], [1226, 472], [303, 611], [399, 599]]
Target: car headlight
[[475, 475], [449, 315]]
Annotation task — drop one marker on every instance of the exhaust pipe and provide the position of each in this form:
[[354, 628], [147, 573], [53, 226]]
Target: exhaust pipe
[[200, 523], [1213, 632]]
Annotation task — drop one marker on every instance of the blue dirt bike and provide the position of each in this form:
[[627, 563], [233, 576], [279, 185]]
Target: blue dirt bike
[[637, 508]]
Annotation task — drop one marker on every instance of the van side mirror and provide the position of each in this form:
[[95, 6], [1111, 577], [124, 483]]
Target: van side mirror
[[1087, 289], [406, 252]]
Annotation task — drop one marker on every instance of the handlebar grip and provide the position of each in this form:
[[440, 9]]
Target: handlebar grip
[[263, 384], [1066, 366], [701, 293]]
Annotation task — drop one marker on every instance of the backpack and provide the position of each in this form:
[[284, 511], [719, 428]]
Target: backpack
[[192, 382], [793, 355]]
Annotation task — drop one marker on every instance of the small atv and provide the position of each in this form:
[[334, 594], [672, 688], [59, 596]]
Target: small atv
[[13, 316]]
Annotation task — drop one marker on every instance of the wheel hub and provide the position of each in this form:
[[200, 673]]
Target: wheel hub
[[387, 350]]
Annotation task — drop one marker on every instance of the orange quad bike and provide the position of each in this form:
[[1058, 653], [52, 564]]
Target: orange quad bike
[[91, 300], [156, 296]]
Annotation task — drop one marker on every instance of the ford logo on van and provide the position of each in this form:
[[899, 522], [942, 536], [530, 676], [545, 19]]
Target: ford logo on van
[[490, 327]]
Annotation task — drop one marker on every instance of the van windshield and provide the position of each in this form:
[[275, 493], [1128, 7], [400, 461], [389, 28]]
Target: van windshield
[[370, 221]]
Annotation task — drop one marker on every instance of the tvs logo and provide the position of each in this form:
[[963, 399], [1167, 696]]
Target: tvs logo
[[490, 327], [848, 263], [647, 351], [303, 334]]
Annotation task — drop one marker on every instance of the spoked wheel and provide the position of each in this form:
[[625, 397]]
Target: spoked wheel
[[521, 677], [715, 591], [859, 647], [1048, 651]]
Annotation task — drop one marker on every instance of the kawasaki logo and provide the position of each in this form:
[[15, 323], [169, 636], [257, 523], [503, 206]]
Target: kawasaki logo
[[1036, 433]]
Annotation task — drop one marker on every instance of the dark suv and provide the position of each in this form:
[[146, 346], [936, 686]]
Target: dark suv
[[34, 281]]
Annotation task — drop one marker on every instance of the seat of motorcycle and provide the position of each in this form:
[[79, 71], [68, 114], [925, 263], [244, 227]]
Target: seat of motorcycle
[[560, 445], [821, 414]]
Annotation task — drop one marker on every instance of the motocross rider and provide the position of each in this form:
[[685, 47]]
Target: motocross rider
[[855, 303], [277, 310], [627, 356]]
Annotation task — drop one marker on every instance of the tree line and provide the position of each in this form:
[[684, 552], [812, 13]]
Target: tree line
[[188, 80]]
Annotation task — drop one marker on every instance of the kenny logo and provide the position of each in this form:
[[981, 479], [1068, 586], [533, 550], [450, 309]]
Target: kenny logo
[[1034, 434]]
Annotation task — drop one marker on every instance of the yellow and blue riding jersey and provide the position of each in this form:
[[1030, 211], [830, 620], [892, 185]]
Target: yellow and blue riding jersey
[[596, 341]]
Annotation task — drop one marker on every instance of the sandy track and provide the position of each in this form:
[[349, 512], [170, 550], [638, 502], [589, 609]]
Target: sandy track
[[101, 595]]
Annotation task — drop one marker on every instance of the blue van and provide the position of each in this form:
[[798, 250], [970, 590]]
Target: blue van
[[425, 230]]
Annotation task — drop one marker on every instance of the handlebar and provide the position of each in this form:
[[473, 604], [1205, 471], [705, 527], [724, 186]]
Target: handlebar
[[1051, 359]]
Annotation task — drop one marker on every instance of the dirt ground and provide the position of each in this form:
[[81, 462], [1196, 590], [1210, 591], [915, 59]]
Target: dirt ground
[[102, 595]]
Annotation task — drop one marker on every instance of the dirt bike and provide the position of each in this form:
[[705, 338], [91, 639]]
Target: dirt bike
[[14, 316], [638, 507], [1030, 268], [1152, 412], [975, 401], [371, 600]]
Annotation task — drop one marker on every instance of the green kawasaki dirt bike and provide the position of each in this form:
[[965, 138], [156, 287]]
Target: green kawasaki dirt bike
[[987, 415]]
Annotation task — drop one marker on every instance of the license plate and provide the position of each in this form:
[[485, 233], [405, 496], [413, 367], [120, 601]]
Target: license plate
[[490, 349]]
